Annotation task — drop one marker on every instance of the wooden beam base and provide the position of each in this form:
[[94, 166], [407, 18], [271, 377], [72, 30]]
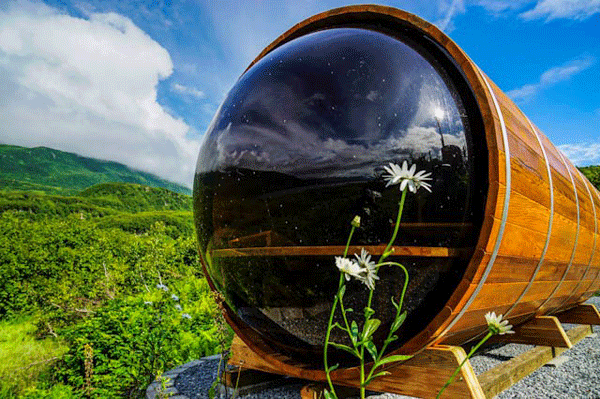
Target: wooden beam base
[[510, 372], [424, 375], [581, 314], [542, 330]]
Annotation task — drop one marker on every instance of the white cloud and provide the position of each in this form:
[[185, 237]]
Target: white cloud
[[548, 9], [499, 6], [582, 153], [89, 86], [551, 77], [569, 9], [455, 7], [192, 91]]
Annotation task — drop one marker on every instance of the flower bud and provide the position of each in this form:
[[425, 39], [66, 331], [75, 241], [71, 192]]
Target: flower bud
[[356, 221]]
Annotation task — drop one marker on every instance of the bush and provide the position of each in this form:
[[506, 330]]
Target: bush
[[124, 345], [70, 263]]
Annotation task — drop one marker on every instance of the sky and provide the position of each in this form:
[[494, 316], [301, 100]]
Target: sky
[[138, 82]]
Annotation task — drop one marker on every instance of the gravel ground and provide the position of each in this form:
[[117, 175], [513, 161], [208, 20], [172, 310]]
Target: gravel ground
[[577, 378]]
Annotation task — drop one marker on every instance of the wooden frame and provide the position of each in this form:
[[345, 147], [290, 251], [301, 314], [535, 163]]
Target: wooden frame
[[332, 250], [424, 375], [581, 314], [541, 330]]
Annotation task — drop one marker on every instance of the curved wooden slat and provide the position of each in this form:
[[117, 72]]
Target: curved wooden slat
[[550, 296]]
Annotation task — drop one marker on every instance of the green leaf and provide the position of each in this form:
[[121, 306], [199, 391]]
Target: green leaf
[[349, 310], [380, 374], [393, 358], [394, 303], [391, 339], [370, 327], [328, 395], [344, 347], [372, 349], [354, 331], [341, 292], [368, 312], [334, 367], [398, 322]]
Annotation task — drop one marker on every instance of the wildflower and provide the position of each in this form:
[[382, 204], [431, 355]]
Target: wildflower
[[356, 221], [163, 287], [174, 297], [370, 268], [407, 177], [349, 267], [147, 302], [186, 316], [178, 307], [496, 325]]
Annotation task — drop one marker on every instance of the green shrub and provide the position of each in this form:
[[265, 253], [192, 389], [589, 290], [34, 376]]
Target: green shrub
[[133, 340], [69, 263], [177, 223]]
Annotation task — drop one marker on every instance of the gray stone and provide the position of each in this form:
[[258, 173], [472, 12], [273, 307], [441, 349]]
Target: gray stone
[[558, 361], [192, 363]]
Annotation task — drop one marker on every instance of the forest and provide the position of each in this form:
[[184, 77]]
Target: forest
[[100, 293]]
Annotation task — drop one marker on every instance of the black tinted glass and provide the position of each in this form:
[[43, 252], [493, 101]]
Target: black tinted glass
[[297, 149]]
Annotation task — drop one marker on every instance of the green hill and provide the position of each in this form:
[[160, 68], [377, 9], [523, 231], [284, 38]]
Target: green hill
[[58, 172], [593, 174], [138, 198]]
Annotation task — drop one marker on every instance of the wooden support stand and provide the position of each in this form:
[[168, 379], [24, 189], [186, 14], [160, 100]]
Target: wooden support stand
[[581, 314], [425, 374], [542, 330], [510, 372]]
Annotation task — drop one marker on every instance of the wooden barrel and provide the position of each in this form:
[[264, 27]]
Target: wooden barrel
[[535, 251]]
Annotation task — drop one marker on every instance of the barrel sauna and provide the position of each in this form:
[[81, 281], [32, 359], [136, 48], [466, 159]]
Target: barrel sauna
[[298, 148]]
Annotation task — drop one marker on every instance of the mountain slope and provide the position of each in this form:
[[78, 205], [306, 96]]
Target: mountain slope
[[59, 172]]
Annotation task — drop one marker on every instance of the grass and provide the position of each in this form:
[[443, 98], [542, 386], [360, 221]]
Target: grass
[[23, 357]]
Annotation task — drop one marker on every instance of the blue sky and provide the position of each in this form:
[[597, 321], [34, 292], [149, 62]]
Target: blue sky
[[138, 82]]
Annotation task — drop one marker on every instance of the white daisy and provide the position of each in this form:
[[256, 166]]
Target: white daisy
[[496, 325], [370, 268], [349, 267], [407, 177]]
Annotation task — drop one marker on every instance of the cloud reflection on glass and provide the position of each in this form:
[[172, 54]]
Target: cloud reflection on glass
[[323, 105]]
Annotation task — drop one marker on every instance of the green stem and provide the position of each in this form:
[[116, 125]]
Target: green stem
[[400, 303], [333, 308], [346, 321], [327, 335], [341, 301], [362, 374], [489, 334], [348, 242], [362, 354], [385, 253]]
